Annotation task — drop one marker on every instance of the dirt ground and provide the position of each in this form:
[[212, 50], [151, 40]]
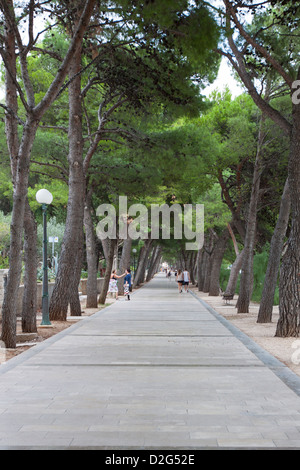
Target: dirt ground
[[287, 350]]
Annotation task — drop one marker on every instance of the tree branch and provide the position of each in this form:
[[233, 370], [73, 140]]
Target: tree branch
[[12, 76], [54, 88], [11, 111], [240, 67], [52, 165], [65, 180], [288, 79], [102, 120], [63, 173]]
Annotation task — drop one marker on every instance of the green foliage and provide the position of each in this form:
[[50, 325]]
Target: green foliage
[[260, 262], [217, 214], [164, 141], [224, 275], [5, 174], [54, 229], [59, 191], [4, 262], [4, 240], [277, 29], [186, 27], [234, 124], [40, 273]]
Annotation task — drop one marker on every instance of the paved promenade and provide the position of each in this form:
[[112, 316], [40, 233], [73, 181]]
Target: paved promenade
[[162, 371]]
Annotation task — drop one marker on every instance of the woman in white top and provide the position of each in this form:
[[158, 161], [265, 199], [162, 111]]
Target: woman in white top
[[113, 283], [179, 279]]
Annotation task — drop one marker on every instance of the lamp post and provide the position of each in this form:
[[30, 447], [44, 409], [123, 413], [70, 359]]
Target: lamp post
[[134, 252], [44, 197]]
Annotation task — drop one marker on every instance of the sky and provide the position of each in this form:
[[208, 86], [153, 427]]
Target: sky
[[225, 78]]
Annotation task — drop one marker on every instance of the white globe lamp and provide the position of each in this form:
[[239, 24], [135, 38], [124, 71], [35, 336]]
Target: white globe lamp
[[43, 196]]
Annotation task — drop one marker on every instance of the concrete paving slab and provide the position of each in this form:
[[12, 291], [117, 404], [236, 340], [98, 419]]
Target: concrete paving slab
[[162, 370]]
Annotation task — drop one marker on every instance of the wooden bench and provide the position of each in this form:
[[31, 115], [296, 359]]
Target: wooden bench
[[227, 298]]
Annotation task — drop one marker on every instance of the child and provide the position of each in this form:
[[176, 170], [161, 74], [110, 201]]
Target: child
[[127, 283], [126, 290]]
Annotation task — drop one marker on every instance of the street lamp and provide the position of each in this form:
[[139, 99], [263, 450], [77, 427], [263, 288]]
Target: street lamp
[[134, 252], [44, 197]]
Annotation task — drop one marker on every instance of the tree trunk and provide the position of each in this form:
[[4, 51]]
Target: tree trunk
[[124, 262], [144, 265], [199, 269], [234, 274], [216, 262], [30, 275], [20, 160], [289, 284], [74, 300], [206, 262], [207, 273], [11, 130], [157, 262], [267, 299], [289, 281], [247, 269], [91, 256], [190, 267], [105, 247], [109, 265], [204, 271], [15, 260], [140, 272], [195, 268], [154, 262], [67, 279]]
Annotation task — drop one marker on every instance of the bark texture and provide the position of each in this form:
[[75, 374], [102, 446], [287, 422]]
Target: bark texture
[[289, 285], [267, 299], [234, 274], [16, 242], [124, 262], [247, 269], [68, 275], [141, 268], [217, 257], [109, 264], [92, 255], [29, 307], [154, 262]]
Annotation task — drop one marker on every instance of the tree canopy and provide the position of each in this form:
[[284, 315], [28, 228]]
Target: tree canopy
[[106, 99]]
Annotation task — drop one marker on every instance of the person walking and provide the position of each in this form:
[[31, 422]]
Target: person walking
[[127, 284], [113, 283], [179, 279], [186, 280]]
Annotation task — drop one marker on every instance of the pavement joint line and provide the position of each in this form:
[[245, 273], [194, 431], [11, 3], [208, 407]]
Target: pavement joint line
[[152, 335], [285, 374], [141, 448], [177, 321], [145, 364]]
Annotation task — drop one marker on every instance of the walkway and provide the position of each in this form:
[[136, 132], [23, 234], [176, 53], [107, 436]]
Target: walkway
[[159, 372]]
